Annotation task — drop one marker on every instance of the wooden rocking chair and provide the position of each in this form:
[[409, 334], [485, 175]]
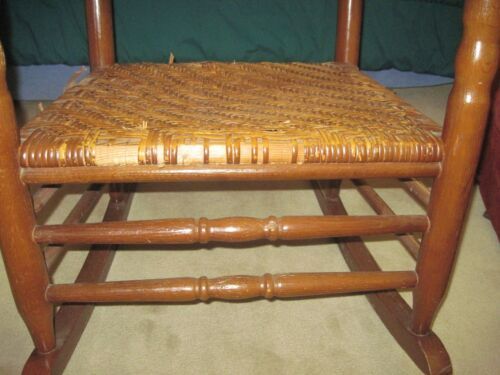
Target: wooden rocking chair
[[241, 121]]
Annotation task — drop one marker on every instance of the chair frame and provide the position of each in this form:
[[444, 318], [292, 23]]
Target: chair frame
[[29, 265]]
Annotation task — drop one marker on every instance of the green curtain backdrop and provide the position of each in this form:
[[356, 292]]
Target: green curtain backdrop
[[416, 35]]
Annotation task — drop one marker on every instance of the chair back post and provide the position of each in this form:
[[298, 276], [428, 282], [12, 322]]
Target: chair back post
[[468, 105], [349, 20], [22, 256], [100, 33]]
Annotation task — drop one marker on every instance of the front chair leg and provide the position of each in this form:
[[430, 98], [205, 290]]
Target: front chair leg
[[463, 133], [71, 319], [23, 257]]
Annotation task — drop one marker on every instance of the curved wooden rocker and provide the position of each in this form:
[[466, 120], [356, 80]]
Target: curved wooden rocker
[[341, 137]]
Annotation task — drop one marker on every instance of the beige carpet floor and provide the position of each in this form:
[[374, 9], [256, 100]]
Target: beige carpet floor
[[339, 335]]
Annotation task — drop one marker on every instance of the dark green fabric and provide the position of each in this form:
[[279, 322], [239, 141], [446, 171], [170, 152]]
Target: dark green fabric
[[417, 35]]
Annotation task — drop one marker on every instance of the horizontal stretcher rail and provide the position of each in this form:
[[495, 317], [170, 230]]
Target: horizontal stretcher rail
[[240, 287], [231, 229], [154, 173], [417, 190], [382, 208], [43, 195], [79, 213]]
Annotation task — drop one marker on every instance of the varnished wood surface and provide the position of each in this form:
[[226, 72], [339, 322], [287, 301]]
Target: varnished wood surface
[[382, 208], [79, 213], [43, 195], [427, 351], [70, 320], [477, 63], [100, 33], [231, 287], [153, 173], [23, 258], [417, 190], [465, 121], [349, 21], [231, 229]]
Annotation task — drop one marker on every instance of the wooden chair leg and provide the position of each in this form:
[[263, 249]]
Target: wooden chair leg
[[71, 319], [23, 257], [468, 106], [427, 352]]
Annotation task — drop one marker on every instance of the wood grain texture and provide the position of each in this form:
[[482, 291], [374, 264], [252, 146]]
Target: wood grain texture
[[427, 351], [349, 21], [231, 288], [22, 256], [231, 229], [100, 33], [153, 173], [468, 105], [70, 320]]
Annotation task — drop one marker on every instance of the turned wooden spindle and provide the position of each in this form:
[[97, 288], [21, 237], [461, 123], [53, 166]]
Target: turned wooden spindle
[[230, 229], [231, 288]]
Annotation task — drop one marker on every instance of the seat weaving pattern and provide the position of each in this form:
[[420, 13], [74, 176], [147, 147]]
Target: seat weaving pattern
[[228, 113]]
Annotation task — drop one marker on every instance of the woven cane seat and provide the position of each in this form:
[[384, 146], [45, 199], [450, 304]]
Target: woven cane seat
[[228, 113]]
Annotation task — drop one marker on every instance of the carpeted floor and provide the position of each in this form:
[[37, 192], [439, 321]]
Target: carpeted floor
[[339, 335]]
